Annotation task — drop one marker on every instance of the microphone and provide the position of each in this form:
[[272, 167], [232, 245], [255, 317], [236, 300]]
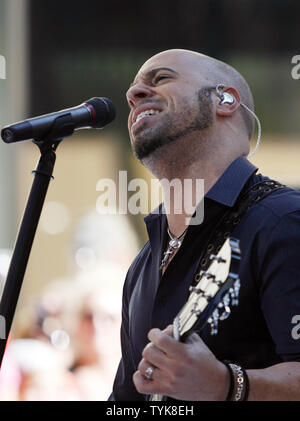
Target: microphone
[[94, 113]]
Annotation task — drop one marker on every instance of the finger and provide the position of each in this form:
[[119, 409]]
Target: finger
[[143, 366], [169, 330], [165, 342], [145, 386], [155, 356]]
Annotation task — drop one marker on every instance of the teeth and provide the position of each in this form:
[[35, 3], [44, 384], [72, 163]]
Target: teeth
[[146, 112]]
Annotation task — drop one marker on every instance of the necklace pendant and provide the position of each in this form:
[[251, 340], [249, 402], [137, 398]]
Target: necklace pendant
[[164, 260], [167, 256], [175, 243]]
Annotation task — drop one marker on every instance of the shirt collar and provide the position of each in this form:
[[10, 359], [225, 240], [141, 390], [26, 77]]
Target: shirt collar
[[228, 187]]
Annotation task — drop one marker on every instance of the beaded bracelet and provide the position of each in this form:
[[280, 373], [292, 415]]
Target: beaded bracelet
[[238, 383]]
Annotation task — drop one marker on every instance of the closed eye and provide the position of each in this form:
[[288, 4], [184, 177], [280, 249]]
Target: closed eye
[[160, 78]]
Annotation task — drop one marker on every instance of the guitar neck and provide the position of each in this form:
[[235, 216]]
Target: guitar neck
[[209, 301]]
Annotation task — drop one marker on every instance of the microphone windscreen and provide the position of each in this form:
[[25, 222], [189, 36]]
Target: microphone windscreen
[[105, 111]]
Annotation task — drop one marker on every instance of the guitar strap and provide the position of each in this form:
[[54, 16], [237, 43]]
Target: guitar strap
[[231, 218]]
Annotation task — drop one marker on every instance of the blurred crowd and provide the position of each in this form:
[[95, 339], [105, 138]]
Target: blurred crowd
[[65, 345]]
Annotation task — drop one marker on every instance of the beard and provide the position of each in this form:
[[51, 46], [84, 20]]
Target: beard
[[173, 127]]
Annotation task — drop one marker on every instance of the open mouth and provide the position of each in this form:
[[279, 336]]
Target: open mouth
[[146, 113]]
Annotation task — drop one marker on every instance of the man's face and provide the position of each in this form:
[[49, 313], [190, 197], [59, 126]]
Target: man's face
[[168, 100]]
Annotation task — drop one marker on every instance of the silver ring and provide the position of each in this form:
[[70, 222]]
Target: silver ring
[[148, 373]]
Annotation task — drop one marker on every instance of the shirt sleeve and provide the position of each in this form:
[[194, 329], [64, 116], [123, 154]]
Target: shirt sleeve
[[280, 288]]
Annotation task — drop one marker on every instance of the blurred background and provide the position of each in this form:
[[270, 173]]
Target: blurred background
[[55, 54]]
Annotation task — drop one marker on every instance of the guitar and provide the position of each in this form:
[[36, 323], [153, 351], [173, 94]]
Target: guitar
[[209, 301]]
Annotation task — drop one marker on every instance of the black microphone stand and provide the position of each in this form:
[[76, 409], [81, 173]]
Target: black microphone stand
[[63, 126]]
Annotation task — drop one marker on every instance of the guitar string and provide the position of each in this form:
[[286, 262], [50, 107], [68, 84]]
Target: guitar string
[[188, 316]]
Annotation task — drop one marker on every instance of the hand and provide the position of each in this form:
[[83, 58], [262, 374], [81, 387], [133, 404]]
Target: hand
[[184, 371]]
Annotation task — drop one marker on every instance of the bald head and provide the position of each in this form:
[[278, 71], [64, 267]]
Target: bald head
[[212, 72]]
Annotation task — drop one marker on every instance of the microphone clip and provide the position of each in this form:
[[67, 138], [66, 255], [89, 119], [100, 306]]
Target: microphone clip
[[63, 126]]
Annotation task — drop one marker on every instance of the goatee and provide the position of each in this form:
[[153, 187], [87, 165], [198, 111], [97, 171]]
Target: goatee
[[169, 133]]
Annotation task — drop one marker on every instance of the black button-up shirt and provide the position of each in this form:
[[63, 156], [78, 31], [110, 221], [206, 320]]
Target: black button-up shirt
[[258, 332]]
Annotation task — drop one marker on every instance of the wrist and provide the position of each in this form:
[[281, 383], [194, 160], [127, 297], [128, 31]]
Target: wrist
[[224, 382]]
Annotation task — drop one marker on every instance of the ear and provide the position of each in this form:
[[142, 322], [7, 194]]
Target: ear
[[227, 110]]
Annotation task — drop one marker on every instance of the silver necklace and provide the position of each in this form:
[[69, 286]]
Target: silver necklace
[[174, 244]]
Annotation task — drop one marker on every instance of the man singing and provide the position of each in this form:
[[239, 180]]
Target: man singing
[[189, 119]]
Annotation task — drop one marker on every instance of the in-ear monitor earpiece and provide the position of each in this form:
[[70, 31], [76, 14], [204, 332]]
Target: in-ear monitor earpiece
[[226, 98]]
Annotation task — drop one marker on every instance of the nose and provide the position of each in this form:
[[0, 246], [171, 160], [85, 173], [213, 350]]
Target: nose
[[136, 93]]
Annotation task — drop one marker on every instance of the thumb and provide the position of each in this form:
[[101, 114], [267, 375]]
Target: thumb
[[193, 338], [169, 330]]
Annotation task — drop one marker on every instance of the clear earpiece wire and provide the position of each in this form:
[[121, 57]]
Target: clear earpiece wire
[[258, 129]]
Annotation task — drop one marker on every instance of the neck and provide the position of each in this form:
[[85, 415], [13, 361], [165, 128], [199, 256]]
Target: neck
[[186, 174]]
